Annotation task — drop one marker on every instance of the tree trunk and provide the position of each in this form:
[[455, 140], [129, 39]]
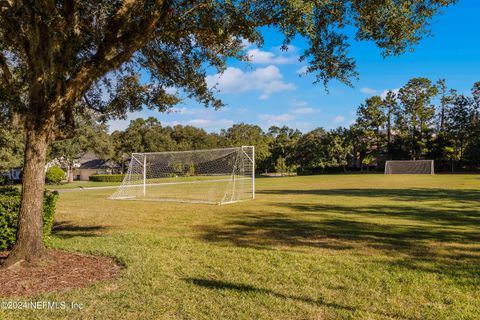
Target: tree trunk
[[70, 173], [442, 118], [389, 135], [29, 244]]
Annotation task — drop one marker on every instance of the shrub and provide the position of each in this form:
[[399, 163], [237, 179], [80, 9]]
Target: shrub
[[49, 205], [190, 170], [10, 209], [4, 180], [107, 177], [54, 175]]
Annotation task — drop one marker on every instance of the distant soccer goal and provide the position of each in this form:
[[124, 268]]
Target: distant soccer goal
[[215, 176], [409, 167]]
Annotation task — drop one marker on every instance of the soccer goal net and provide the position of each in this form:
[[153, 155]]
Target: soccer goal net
[[409, 167], [215, 176]]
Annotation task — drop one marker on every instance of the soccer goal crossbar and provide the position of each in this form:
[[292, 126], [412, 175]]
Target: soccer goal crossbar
[[409, 167], [214, 176]]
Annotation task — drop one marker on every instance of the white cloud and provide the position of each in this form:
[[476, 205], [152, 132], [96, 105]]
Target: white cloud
[[204, 123], [302, 70], [367, 90], [183, 110], [171, 90], [224, 123], [338, 119], [305, 110], [209, 123], [298, 103], [303, 126], [385, 92], [234, 80], [290, 48], [171, 123], [122, 124], [273, 119], [301, 107], [246, 44], [242, 110], [269, 57], [199, 122]]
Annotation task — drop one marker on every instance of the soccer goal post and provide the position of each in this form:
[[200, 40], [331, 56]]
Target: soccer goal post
[[215, 176], [409, 167]]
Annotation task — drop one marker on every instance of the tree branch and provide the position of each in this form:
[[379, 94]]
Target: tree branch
[[7, 75], [192, 9], [71, 17], [87, 101], [5, 4], [109, 56]]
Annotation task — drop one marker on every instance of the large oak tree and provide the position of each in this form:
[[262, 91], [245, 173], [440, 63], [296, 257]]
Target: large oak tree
[[59, 58]]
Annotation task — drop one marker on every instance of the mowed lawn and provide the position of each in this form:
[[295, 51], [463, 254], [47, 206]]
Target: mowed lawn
[[316, 247]]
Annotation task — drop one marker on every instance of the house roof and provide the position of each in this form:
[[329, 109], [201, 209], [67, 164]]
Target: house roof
[[90, 161]]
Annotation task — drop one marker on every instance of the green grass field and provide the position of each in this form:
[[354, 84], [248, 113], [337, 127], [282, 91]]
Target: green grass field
[[81, 184], [316, 247]]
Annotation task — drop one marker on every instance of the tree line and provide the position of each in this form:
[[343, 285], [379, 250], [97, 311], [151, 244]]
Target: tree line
[[421, 120]]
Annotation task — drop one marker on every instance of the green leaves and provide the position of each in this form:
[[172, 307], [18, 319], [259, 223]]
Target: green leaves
[[321, 149], [87, 136], [395, 26], [9, 211], [11, 150], [77, 49]]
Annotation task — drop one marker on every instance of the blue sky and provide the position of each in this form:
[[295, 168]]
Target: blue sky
[[269, 91]]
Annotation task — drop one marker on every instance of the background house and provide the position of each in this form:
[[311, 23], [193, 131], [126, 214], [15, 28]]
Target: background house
[[13, 174], [90, 164]]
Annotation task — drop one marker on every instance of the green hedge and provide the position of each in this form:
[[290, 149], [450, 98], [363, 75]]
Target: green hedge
[[4, 180], [10, 209], [107, 177]]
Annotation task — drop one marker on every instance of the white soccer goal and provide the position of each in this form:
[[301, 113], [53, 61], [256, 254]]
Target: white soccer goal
[[409, 167], [216, 176]]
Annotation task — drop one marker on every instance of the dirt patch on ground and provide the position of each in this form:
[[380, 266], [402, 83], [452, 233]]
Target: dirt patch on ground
[[59, 271]]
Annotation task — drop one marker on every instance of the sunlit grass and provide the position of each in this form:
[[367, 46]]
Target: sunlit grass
[[81, 184], [317, 247]]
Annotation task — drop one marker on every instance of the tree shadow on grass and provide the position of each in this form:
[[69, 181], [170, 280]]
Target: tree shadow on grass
[[67, 230], [340, 227], [245, 288], [440, 215], [412, 194], [421, 238]]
